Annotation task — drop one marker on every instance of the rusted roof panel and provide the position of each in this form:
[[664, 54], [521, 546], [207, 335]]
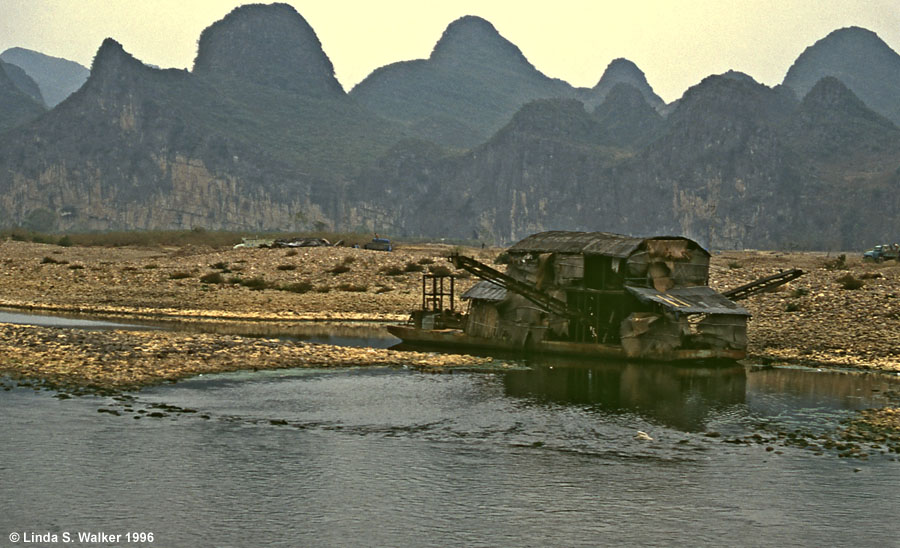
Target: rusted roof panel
[[586, 243], [485, 291], [690, 300]]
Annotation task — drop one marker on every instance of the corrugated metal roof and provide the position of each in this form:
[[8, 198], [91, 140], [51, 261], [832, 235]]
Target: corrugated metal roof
[[587, 243], [485, 291], [690, 300]]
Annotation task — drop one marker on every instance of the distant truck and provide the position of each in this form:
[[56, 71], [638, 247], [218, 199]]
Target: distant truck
[[883, 252], [379, 244]]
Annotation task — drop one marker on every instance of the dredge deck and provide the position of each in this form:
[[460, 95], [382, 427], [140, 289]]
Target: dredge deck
[[590, 294]]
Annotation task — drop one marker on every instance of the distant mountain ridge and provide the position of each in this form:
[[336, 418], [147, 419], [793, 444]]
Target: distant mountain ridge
[[18, 105], [858, 58], [628, 119], [22, 81], [621, 71], [57, 78], [473, 142], [468, 88]]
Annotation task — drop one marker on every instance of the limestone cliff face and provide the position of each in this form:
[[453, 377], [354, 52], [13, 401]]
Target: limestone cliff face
[[260, 136], [186, 195], [191, 196], [736, 165], [747, 166], [250, 140], [718, 161], [538, 171], [850, 157], [130, 150]]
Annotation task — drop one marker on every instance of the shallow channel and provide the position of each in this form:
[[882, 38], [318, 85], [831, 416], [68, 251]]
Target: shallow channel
[[70, 321], [355, 334], [392, 457], [546, 454]]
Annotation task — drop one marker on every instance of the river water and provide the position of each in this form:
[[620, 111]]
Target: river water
[[541, 454], [52, 320]]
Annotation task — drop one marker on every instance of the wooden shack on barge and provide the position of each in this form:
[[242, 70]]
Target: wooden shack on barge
[[597, 293]]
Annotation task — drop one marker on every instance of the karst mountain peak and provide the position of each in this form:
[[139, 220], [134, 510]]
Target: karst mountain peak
[[259, 135], [472, 38], [270, 45]]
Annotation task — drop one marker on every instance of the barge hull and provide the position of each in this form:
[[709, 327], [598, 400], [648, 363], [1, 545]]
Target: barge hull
[[457, 339]]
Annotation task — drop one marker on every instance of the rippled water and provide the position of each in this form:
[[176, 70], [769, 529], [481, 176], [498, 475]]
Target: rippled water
[[387, 457]]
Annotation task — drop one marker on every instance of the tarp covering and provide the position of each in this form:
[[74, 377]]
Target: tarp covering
[[668, 250], [689, 300]]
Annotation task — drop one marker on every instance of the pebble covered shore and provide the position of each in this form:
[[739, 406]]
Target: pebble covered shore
[[814, 320]]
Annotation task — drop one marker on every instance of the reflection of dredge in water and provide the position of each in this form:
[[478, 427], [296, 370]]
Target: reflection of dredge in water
[[680, 396], [594, 294]]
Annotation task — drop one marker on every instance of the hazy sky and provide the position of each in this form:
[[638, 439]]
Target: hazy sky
[[676, 43]]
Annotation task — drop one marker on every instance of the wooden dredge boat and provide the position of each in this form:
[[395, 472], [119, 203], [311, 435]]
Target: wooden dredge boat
[[590, 294]]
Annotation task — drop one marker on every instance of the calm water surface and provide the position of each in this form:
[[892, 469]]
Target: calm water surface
[[55, 320], [358, 334], [389, 457]]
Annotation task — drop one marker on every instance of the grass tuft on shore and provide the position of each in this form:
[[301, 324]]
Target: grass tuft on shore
[[413, 267], [212, 278], [849, 281]]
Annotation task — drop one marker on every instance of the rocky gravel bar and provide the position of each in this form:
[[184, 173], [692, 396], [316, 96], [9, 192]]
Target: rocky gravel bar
[[812, 321], [128, 360], [843, 312]]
